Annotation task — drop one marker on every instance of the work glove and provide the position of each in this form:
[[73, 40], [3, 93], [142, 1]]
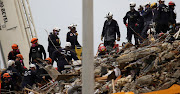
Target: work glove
[[101, 38], [136, 24], [126, 25], [118, 38], [76, 34]]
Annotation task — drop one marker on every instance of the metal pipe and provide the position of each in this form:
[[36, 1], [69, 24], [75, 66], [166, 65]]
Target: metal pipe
[[2, 53], [88, 55]]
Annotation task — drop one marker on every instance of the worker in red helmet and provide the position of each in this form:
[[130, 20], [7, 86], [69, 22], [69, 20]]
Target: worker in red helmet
[[12, 54], [102, 50], [36, 51], [172, 16], [7, 84]]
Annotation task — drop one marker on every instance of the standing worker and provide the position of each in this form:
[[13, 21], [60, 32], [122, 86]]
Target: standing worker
[[162, 17], [36, 51], [12, 54], [132, 16], [172, 16], [110, 30], [147, 20], [53, 41], [72, 36]]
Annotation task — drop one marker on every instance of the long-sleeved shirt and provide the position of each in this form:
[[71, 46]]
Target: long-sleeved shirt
[[110, 29], [72, 38], [37, 52]]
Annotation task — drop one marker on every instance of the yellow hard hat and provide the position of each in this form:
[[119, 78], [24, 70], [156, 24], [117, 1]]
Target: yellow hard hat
[[153, 5]]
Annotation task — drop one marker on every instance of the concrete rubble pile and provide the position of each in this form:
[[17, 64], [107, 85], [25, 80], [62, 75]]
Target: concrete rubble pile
[[144, 69], [151, 67]]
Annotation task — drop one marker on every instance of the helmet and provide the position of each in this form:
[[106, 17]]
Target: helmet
[[147, 3], [32, 66], [153, 5], [6, 75], [34, 40], [14, 46], [171, 3], [102, 49], [56, 29], [11, 62], [109, 15], [132, 4], [68, 44], [161, 0], [20, 56], [72, 26], [49, 59]]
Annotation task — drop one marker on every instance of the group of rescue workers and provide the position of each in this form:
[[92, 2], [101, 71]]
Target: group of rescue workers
[[17, 76], [161, 16]]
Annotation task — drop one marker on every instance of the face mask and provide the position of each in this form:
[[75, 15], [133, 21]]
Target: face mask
[[57, 33], [131, 8], [21, 61], [33, 45], [17, 50]]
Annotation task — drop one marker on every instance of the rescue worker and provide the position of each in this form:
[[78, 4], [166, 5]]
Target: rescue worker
[[36, 51], [140, 21], [172, 16], [102, 50], [72, 36], [7, 85], [12, 54], [162, 17], [154, 11], [132, 26], [19, 64], [64, 56], [53, 41], [110, 29], [147, 20], [30, 77], [16, 77], [49, 62]]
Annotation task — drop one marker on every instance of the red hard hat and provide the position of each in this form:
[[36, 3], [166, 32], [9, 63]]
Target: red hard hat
[[49, 59], [14, 46], [6, 75], [171, 3], [102, 49], [34, 40], [20, 56]]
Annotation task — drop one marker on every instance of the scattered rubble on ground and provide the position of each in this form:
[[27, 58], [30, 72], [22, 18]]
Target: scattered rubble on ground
[[137, 69]]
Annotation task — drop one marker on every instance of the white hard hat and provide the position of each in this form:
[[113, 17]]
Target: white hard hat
[[32, 66], [147, 3], [68, 44], [109, 15], [11, 62], [161, 0], [132, 4], [72, 26], [57, 29]]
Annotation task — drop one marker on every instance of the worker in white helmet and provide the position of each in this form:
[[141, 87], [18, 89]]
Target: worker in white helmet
[[110, 30], [132, 25], [72, 36], [53, 41], [162, 17]]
